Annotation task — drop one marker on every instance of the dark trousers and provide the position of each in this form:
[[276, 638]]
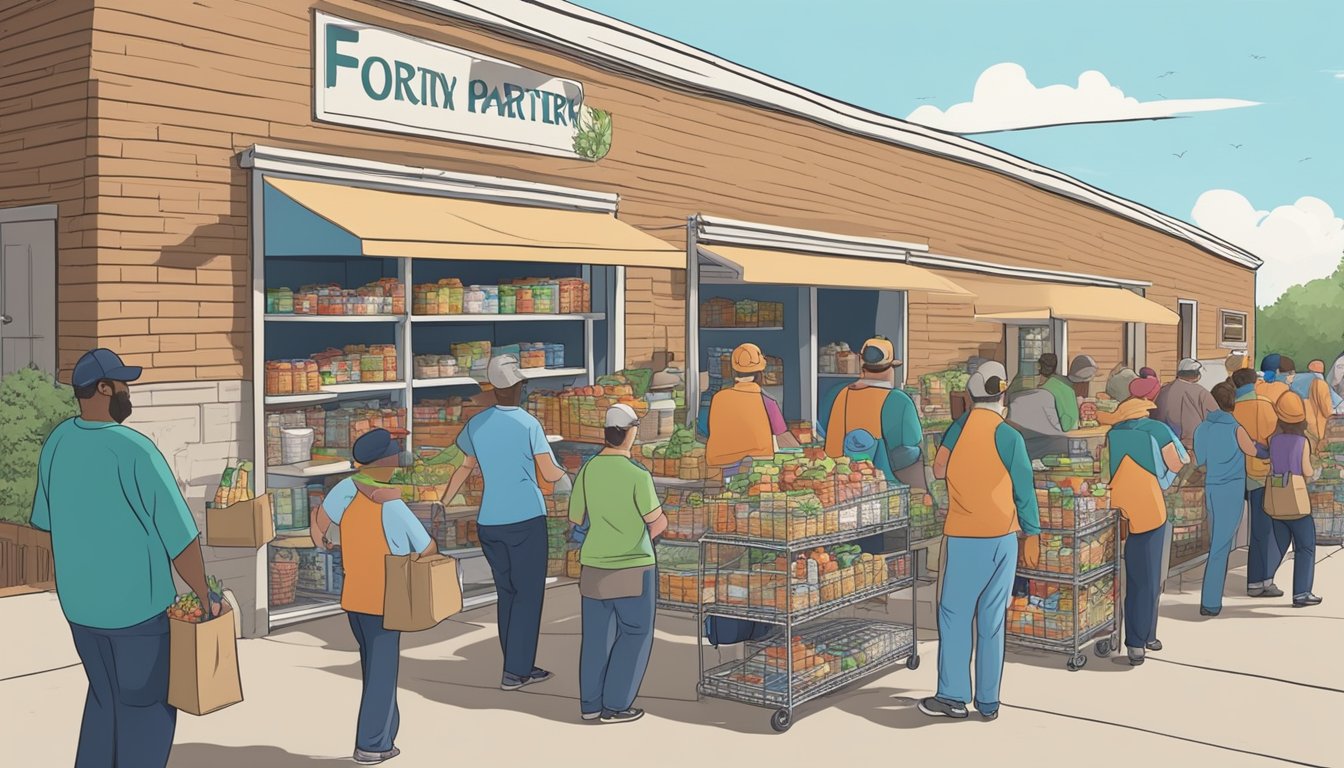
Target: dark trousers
[[127, 720], [614, 653], [1266, 548], [517, 557], [379, 661], [1301, 533], [1143, 586]]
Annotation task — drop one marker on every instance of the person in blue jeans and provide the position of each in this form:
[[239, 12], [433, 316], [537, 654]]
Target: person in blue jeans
[[374, 523], [510, 447], [1221, 447], [615, 505], [992, 516], [1290, 456], [119, 526]]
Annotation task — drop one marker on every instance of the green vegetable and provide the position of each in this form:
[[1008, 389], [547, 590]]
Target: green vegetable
[[592, 141]]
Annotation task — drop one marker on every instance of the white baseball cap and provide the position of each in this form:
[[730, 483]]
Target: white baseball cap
[[622, 416], [1189, 365], [978, 386], [503, 372]]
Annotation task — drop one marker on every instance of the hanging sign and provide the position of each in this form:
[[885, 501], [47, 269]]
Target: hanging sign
[[375, 78]]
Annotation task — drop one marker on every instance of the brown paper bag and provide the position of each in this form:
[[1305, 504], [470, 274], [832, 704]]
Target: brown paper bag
[[203, 665], [421, 591], [245, 524]]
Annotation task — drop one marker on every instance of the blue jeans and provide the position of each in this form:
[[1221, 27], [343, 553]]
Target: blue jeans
[[1143, 585], [517, 557], [379, 660], [977, 582], [1301, 533], [1224, 504], [1266, 550], [127, 720], [617, 640]]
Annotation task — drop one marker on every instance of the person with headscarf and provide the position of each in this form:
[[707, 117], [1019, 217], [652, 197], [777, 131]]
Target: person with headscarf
[[1322, 402], [1081, 372], [1117, 384], [1274, 371], [1145, 456], [1256, 414], [1128, 377]]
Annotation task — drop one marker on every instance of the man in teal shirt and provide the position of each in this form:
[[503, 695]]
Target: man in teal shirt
[[118, 526]]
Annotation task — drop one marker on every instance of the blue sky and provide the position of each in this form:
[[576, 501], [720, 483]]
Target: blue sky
[[891, 56]]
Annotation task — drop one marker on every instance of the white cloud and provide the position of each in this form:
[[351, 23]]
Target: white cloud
[[1006, 100], [1299, 242]]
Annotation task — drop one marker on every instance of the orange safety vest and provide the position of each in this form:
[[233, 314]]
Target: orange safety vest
[[364, 553], [979, 487], [738, 426], [854, 409]]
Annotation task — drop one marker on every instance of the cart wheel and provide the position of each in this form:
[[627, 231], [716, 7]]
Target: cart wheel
[[1078, 662], [1103, 648], [912, 663], [781, 721]]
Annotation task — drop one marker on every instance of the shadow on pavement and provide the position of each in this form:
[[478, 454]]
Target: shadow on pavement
[[217, 756]]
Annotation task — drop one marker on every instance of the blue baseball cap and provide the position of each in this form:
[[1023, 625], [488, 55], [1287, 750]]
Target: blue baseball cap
[[1271, 362], [374, 445], [102, 365]]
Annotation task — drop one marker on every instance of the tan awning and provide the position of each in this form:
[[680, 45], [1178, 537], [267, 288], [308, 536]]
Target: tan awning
[[761, 265], [397, 224], [1004, 300]]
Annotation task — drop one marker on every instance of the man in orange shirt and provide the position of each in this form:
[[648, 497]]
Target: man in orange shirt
[[1256, 415], [374, 523]]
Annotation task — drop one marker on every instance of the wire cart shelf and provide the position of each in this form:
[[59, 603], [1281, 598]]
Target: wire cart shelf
[[792, 582]]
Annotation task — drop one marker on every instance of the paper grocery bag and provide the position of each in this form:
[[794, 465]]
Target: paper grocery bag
[[245, 524], [203, 665], [421, 591]]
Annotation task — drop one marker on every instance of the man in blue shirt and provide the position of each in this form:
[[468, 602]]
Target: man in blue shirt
[[118, 526], [510, 447]]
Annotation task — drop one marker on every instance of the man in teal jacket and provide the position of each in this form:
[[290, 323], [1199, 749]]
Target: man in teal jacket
[[875, 404]]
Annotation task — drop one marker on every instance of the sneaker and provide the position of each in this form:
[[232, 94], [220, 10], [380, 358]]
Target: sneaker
[[1209, 611], [628, 716], [590, 716], [1136, 656], [936, 707], [514, 682], [1269, 590], [1156, 645], [988, 716], [1306, 601], [374, 758]]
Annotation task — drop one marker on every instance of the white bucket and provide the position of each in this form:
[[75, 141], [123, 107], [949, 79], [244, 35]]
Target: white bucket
[[296, 445]]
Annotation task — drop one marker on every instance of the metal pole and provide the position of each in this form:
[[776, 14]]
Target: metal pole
[[692, 320]]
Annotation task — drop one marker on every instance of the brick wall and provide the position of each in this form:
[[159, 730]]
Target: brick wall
[[201, 427]]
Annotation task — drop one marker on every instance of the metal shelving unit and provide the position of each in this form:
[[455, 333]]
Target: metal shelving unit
[[850, 649], [1077, 580]]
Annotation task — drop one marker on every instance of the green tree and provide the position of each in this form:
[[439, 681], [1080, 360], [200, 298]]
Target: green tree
[[32, 403], [1306, 323]]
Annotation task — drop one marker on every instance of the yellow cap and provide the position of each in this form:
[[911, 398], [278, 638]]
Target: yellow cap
[[1290, 408], [882, 345], [748, 358]]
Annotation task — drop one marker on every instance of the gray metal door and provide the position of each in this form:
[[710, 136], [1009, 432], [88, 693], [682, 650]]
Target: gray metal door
[[27, 295]]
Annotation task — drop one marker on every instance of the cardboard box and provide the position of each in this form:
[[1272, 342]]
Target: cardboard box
[[203, 665], [421, 591], [245, 524]]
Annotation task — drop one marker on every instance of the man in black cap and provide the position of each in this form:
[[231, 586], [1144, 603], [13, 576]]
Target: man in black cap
[[119, 526], [375, 523]]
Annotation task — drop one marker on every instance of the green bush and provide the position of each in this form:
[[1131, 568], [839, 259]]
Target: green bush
[[1305, 323], [32, 403]]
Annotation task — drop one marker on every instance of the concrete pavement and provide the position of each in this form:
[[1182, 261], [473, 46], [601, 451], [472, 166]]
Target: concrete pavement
[[1261, 685]]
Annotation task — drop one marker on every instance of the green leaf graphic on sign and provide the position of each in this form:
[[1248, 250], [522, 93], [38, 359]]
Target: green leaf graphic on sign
[[592, 140]]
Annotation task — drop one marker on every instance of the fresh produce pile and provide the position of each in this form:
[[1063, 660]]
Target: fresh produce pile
[[935, 391], [1067, 504], [823, 575], [1047, 612], [682, 456], [188, 606]]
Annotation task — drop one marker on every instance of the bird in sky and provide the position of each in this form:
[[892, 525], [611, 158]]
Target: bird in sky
[[1160, 96], [1257, 57], [1236, 146], [1303, 160], [1165, 74], [1179, 155], [925, 98]]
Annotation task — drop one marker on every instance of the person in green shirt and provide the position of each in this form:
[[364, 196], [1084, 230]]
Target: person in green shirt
[[1066, 399], [616, 506], [119, 526]]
